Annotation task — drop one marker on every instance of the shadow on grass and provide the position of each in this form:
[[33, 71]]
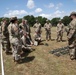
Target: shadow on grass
[[25, 58], [53, 39], [63, 40]]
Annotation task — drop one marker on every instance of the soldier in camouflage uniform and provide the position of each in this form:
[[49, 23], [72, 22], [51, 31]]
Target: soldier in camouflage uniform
[[15, 40], [5, 36], [60, 28], [47, 27], [26, 28], [37, 38], [25, 44], [37, 27], [72, 36]]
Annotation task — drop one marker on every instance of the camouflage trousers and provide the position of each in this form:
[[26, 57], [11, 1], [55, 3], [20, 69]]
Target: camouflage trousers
[[72, 47], [48, 35], [16, 48], [59, 35], [6, 44]]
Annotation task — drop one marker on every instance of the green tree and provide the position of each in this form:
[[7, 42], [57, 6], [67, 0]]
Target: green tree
[[54, 21], [41, 20], [66, 20], [30, 19]]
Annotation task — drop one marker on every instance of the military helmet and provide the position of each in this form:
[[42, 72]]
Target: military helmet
[[73, 13], [12, 19]]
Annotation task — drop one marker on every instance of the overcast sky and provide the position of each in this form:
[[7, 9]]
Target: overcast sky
[[44, 8]]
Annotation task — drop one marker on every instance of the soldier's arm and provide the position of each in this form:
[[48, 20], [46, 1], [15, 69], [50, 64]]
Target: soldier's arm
[[50, 25], [57, 28], [45, 26], [34, 26]]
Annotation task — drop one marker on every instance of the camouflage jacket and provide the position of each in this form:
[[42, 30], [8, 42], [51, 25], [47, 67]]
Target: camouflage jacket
[[25, 27], [38, 27], [60, 27], [47, 26], [4, 30], [72, 29], [15, 31]]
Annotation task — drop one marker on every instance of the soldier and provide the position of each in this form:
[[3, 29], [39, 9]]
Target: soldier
[[72, 36], [60, 27], [37, 38], [48, 27], [26, 28], [25, 44], [37, 27], [5, 36], [15, 40]]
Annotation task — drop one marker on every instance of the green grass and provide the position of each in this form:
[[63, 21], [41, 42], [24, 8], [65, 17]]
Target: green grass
[[40, 61]]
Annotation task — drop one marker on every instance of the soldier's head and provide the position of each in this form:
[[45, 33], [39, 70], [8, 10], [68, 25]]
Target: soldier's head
[[23, 21], [4, 20], [13, 20], [26, 21], [37, 21], [60, 21], [73, 15], [47, 21]]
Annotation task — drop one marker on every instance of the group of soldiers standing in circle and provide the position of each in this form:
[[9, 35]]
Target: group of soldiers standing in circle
[[18, 37]]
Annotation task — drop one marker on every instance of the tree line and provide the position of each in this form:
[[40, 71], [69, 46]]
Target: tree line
[[31, 20]]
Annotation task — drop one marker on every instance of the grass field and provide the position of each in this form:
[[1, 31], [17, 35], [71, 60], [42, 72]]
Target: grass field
[[40, 61]]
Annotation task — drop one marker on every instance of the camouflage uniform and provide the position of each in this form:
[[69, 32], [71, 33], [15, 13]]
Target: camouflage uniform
[[60, 27], [25, 29], [47, 27], [72, 37], [9, 30], [37, 39], [5, 36], [25, 43], [37, 27], [15, 40]]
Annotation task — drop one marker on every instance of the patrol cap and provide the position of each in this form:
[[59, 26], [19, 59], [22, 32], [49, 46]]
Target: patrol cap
[[23, 19], [60, 20], [3, 19], [73, 13], [47, 20], [36, 20]]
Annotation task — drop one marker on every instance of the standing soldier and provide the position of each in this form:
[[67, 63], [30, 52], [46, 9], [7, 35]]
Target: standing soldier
[[15, 40], [60, 27], [26, 28], [5, 36], [72, 36], [47, 27], [37, 27]]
